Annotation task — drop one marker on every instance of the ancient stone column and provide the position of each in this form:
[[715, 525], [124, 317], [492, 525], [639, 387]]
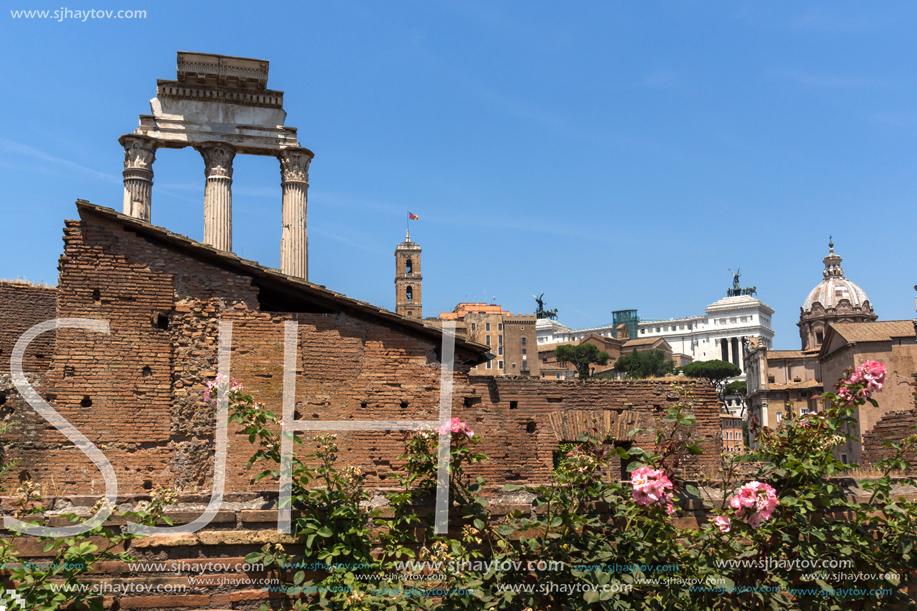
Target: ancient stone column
[[294, 242], [139, 155], [218, 194]]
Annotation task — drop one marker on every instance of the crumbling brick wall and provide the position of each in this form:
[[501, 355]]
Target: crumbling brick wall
[[137, 391], [894, 427], [23, 305]]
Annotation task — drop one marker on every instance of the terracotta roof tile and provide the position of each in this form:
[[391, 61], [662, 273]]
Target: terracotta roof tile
[[643, 341], [874, 331]]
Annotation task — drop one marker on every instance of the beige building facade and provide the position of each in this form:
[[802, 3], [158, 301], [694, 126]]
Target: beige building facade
[[849, 345], [838, 332], [511, 338]]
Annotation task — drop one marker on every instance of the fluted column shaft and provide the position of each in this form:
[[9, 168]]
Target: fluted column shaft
[[218, 158], [139, 155], [294, 241]]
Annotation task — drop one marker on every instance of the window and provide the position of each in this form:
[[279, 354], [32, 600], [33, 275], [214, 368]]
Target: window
[[499, 326], [409, 293], [523, 341], [490, 364], [779, 417], [525, 366], [501, 351], [544, 360], [499, 364], [523, 351], [844, 458], [500, 339], [487, 326], [642, 331], [487, 339], [408, 267], [473, 326]]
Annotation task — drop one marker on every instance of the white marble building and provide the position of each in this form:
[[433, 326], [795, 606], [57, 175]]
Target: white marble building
[[717, 335]]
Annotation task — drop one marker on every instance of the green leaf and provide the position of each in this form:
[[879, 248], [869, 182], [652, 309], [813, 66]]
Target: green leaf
[[324, 531], [254, 558]]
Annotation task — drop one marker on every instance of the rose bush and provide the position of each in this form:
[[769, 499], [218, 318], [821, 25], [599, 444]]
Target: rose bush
[[791, 512]]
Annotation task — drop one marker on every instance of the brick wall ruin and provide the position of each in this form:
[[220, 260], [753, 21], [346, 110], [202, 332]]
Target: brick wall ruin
[[137, 392], [894, 427], [23, 305]]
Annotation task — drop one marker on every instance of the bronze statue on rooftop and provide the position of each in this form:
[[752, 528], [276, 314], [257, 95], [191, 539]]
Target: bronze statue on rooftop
[[541, 312]]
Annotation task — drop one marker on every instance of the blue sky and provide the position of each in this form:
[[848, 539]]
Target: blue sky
[[611, 155]]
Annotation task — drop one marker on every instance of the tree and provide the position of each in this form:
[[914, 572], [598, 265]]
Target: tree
[[737, 388], [639, 365], [581, 357], [716, 372]]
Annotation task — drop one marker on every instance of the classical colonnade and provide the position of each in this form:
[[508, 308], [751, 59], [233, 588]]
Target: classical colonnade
[[140, 153]]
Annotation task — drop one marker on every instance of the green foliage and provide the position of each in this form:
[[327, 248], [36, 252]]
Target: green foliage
[[715, 371], [737, 387], [640, 365], [581, 356], [558, 456], [71, 558], [583, 521]]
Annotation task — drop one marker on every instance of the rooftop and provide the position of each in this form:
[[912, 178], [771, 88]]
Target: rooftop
[[873, 331], [278, 290]]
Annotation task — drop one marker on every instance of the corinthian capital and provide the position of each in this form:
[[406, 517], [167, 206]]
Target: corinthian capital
[[218, 158], [139, 152], [294, 165]]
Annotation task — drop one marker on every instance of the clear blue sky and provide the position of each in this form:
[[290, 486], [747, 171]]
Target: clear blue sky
[[611, 155]]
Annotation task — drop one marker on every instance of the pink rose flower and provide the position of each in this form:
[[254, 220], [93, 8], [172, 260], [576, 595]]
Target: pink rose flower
[[651, 487], [755, 503], [870, 375], [456, 425], [220, 380], [723, 523]]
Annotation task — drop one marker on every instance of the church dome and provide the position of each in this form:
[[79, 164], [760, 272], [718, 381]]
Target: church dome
[[835, 288], [835, 299]]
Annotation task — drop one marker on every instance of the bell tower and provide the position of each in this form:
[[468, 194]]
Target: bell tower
[[408, 279]]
